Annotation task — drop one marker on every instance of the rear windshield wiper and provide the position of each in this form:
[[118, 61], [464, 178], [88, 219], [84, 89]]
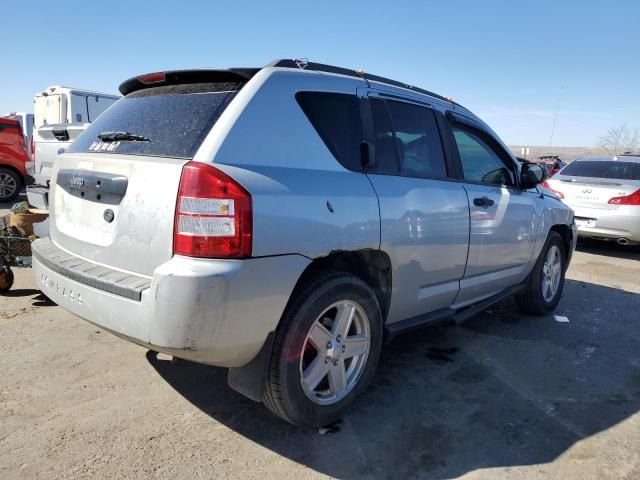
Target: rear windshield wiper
[[121, 136]]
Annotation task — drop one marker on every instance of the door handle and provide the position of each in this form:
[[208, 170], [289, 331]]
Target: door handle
[[483, 202]]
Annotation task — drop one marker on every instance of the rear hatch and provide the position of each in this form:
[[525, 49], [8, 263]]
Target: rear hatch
[[114, 190]]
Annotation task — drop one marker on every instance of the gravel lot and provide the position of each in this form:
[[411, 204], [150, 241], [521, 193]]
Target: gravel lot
[[502, 396]]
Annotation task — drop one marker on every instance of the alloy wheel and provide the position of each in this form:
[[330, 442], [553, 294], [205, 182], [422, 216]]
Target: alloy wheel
[[335, 352], [8, 185], [551, 274]]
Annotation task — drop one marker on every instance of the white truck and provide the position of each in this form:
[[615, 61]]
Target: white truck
[[60, 115]]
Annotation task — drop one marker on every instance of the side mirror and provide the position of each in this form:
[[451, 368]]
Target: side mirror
[[531, 175]]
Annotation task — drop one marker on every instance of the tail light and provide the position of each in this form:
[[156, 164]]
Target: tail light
[[631, 199], [32, 147], [546, 185], [213, 214]]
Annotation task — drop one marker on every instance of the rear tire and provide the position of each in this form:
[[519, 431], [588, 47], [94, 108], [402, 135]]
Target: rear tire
[[545, 283], [325, 352], [10, 184]]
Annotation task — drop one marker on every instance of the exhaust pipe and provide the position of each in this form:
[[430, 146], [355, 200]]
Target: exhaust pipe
[[623, 241]]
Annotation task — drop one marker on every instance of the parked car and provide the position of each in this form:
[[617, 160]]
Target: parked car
[[552, 163], [26, 123], [277, 221], [60, 115], [13, 158], [604, 193]]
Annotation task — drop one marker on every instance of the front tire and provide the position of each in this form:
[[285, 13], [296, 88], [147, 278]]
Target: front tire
[[325, 352], [546, 281]]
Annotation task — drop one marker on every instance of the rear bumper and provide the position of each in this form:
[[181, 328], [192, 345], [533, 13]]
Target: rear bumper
[[218, 312], [609, 233], [623, 222]]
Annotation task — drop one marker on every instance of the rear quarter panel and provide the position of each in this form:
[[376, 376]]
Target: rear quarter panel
[[12, 152], [304, 201]]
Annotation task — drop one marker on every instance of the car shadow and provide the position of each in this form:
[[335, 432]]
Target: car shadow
[[608, 249], [21, 292], [41, 300], [502, 390]]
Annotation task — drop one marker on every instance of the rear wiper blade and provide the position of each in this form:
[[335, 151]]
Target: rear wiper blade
[[121, 136]]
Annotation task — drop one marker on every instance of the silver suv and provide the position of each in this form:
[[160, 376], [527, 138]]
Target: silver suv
[[282, 221]]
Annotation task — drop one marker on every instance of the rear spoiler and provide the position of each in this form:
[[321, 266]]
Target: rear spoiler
[[179, 77]]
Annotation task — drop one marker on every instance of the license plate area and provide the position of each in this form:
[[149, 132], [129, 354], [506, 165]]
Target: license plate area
[[585, 222]]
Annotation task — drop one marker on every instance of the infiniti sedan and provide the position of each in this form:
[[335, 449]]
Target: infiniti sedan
[[604, 193]]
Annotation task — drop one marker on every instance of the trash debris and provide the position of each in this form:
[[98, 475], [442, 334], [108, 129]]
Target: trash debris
[[20, 207], [561, 319], [330, 428]]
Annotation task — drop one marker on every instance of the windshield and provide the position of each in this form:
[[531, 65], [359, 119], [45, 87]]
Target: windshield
[[172, 120], [603, 169]]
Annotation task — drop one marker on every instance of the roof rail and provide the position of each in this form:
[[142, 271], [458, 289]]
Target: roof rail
[[303, 64]]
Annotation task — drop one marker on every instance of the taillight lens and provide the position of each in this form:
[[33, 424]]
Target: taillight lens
[[546, 185], [32, 146], [213, 214], [156, 77], [631, 199]]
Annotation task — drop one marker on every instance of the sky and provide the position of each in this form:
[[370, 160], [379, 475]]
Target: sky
[[515, 64]]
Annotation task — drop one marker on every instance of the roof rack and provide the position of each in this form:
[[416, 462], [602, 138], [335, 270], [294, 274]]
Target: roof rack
[[303, 64]]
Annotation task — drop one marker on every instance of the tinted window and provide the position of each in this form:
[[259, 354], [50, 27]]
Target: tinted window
[[385, 142], [336, 118], [174, 118], [603, 169], [480, 163], [417, 140]]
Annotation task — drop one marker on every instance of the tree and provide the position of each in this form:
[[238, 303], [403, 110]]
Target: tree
[[619, 140]]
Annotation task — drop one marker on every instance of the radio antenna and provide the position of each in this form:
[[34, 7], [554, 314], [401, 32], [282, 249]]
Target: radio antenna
[[555, 118]]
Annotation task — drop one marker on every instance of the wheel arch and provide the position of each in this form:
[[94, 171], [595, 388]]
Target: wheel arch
[[565, 232], [371, 266]]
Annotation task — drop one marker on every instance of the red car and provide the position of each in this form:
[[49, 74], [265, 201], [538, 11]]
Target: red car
[[13, 158]]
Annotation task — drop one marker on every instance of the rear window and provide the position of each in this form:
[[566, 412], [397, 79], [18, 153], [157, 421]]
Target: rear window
[[175, 119], [336, 118], [603, 169]]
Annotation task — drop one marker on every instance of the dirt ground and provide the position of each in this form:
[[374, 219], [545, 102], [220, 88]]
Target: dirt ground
[[501, 396]]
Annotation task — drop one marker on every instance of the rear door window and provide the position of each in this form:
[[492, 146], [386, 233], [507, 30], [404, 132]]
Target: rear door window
[[407, 140], [336, 118], [614, 170], [387, 160], [174, 119]]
